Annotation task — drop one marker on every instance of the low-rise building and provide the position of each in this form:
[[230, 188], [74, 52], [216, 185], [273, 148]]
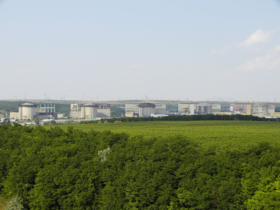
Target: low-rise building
[[146, 109], [60, 116], [256, 109], [90, 111], [26, 111], [134, 109], [197, 108]]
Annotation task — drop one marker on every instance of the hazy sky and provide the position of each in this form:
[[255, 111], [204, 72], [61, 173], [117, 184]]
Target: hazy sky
[[160, 49]]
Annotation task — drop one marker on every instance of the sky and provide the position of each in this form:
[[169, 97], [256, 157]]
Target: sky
[[124, 50]]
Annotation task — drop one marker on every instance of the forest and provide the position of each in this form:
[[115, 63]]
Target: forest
[[69, 168]]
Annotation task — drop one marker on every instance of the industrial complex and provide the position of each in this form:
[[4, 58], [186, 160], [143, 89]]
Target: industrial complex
[[91, 111], [144, 109], [256, 109], [28, 111]]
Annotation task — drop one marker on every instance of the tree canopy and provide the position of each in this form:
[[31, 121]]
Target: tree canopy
[[56, 169]]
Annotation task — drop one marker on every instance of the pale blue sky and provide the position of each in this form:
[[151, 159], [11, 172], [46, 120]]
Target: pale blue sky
[[200, 50]]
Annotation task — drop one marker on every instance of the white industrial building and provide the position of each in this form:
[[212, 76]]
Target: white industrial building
[[60, 116], [26, 111], [146, 109], [257, 109], [203, 108], [89, 111], [260, 109], [103, 110], [134, 109], [198, 108]]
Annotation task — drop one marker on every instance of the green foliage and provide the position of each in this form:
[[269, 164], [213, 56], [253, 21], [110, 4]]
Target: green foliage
[[172, 107], [37, 121], [15, 204], [10, 106], [117, 110], [62, 108], [103, 154], [72, 169]]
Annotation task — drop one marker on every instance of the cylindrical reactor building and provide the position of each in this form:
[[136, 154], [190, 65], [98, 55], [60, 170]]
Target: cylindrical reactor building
[[89, 111], [204, 108], [146, 109], [27, 111]]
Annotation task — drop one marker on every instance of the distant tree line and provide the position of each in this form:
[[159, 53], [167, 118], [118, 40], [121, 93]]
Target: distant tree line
[[185, 118]]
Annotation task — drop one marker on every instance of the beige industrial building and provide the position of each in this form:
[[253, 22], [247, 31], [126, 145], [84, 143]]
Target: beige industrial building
[[26, 111], [257, 109], [60, 116], [89, 111], [274, 114], [133, 110], [222, 113], [196, 108], [216, 108], [131, 114], [260, 109], [203, 108], [103, 110]]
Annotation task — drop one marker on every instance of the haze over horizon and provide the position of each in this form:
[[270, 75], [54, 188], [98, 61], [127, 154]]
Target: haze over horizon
[[165, 50]]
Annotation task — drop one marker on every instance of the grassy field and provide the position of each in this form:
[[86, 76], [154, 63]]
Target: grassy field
[[222, 134]]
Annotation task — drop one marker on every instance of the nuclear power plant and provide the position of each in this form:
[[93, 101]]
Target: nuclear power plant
[[90, 111], [198, 108], [28, 111], [144, 109], [257, 109]]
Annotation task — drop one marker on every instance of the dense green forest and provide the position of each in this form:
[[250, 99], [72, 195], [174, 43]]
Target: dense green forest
[[72, 169]]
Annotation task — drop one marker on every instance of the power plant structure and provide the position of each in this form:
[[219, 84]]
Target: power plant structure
[[133, 110], [198, 108], [257, 109], [90, 111], [146, 109], [46, 111], [28, 111], [260, 109], [203, 108]]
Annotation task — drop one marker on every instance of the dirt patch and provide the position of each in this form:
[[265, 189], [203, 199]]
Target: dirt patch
[[3, 203]]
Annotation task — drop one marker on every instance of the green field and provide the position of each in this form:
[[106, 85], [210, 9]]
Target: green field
[[224, 134]]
